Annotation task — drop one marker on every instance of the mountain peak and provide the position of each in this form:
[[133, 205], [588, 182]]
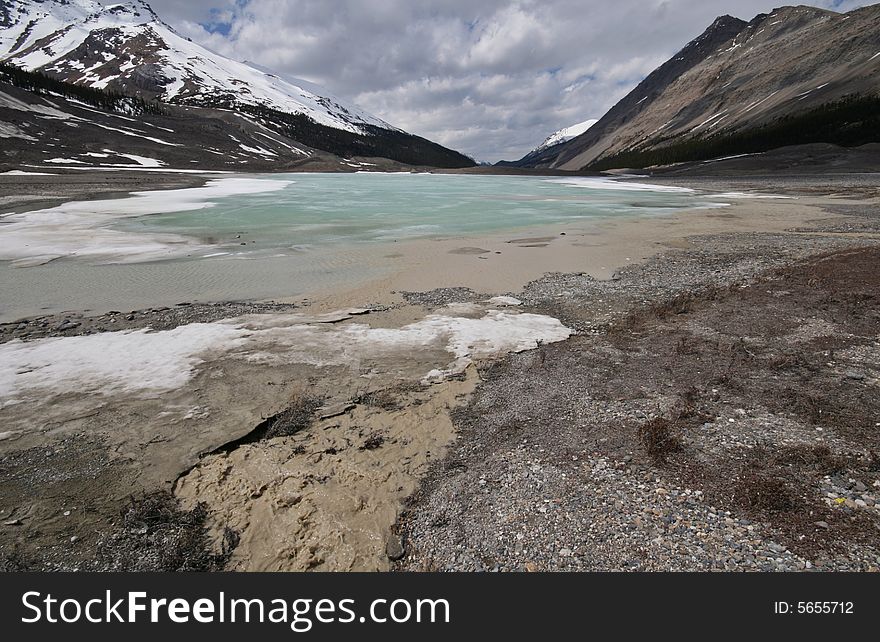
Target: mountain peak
[[126, 47], [726, 21], [135, 7], [801, 9], [565, 134], [723, 28]]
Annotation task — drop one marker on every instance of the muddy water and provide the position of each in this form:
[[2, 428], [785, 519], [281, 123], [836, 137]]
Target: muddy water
[[326, 499]]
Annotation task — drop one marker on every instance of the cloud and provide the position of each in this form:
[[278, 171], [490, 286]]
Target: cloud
[[491, 78]]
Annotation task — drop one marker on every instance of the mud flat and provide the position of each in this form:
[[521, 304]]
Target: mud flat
[[402, 432]]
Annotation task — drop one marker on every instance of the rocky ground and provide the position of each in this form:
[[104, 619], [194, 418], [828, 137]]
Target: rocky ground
[[717, 411]]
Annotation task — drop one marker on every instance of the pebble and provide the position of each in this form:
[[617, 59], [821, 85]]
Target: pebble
[[394, 548]]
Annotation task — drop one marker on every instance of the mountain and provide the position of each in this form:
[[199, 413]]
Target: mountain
[[49, 124], [798, 75], [127, 49], [565, 134], [556, 138]]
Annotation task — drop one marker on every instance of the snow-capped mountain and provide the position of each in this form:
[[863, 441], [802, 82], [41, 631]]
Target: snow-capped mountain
[[127, 47], [556, 138], [565, 134]]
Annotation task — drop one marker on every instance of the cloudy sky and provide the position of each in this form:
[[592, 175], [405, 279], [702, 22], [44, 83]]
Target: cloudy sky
[[490, 78]]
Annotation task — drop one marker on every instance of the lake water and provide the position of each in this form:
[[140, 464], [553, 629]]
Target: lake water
[[316, 210], [280, 235]]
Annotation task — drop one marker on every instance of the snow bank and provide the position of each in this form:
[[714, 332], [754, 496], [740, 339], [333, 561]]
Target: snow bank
[[8, 130], [617, 185], [80, 229], [145, 362], [112, 362], [495, 334], [144, 161], [504, 301]]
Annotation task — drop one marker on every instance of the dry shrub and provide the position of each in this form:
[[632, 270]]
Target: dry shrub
[[738, 351], [679, 304], [785, 361], [658, 438], [297, 416], [687, 408], [383, 399], [156, 534], [764, 494], [373, 442], [688, 346], [819, 459]]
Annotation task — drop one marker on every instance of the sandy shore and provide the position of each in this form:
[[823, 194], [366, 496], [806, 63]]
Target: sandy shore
[[507, 262], [306, 463]]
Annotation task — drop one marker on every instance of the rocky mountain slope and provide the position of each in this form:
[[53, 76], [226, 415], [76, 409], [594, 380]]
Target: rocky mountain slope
[[126, 48], [796, 75], [50, 126]]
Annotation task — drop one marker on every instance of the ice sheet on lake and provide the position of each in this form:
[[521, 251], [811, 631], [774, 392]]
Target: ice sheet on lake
[[81, 228]]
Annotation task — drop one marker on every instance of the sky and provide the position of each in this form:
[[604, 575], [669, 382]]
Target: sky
[[489, 78]]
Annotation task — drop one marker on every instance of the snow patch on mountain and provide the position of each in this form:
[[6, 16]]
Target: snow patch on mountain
[[565, 134]]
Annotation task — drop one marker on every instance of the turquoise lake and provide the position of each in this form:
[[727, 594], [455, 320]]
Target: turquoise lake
[[296, 234], [332, 209]]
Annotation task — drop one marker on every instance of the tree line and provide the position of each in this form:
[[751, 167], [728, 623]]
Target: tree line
[[103, 99]]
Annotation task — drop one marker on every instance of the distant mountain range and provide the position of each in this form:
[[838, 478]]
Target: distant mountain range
[[798, 75], [127, 49]]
